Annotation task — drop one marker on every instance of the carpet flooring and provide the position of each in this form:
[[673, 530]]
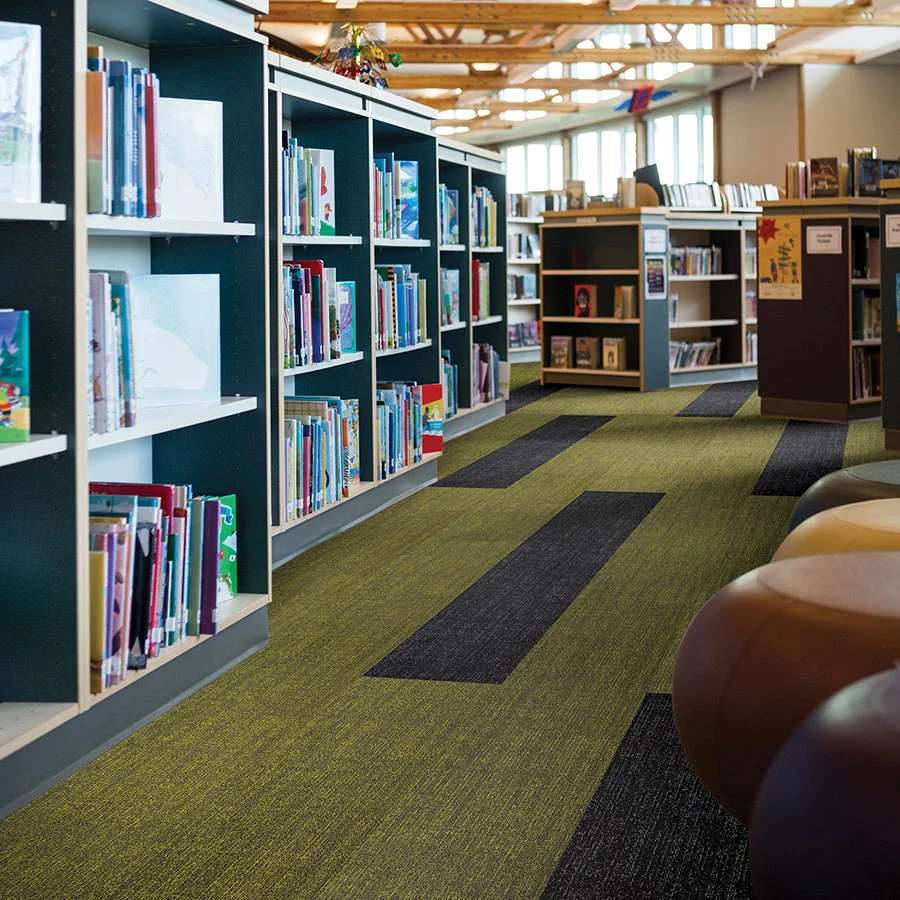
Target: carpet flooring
[[298, 776]]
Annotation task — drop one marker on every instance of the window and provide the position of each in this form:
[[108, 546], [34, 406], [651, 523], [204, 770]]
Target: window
[[603, 156], [535, 166], [749, 37], [681, 144]]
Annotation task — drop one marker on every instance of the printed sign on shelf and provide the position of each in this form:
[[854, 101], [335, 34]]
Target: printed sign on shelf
[[823, 239]]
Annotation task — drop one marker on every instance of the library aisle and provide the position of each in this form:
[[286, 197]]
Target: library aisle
[[399, 739]]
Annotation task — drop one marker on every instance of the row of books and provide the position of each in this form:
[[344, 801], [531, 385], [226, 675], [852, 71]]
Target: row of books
[[751, 261], [567, 352], [449, 296], [750, 295], [321, 443], [826, 176], [408, 423], [307, 189], [624, 301], [530, 206], [865, 315], [15, 376], [448, 209], [162, 565], [695, 260], [450, 384], [524, 334], [752, 347], [865, 254], [521, 287], [487, 376], [481, 290], [484, 218], [396, 194], [693, 354], [697, 195], [20, 113], [523, 246], [866, 373], [400, 309], [748, 196], [319, 313]]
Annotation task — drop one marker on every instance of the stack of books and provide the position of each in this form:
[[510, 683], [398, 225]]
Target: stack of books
[[484, 218], [400, 307], [307, 189], [450, 381], [319, 313], [321, 443], [162, 565], [695, 261], [15, 376], [694, 354], [449, 296], [481, 290], [396, 192], [448, 208]]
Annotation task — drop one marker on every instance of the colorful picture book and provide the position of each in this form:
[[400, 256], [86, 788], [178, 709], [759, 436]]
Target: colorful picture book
[[307, 189], [585, 300], [614, 353], [450, 381], [824, 177], [433, 418], [481, 290], [400, 319], [321, 452], [587, 353], [449, 296], [20, 113], [576, 195], [15, 376], [561, 352], [163, 565], [484, 218], [396, 197], [448, 208]]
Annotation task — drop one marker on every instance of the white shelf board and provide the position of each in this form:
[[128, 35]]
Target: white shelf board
[[702, 323], [111, 226], [865, 282], [603, 320], [751, 321], [343, 360], [592, 272], [495, 249], [523, 349], [703, 277], [21, 723], [523, 261], [402, 242], [454, 327], [158, 420], [397, 350], [33, 212], [534, 301], [37, 446], [341, 240], [524, 220], [450, 248], [866, 342], [490, 320]]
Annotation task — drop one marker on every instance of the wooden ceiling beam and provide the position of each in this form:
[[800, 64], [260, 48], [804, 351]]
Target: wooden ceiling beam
[[294, 12], [491, 82], [496, 106]]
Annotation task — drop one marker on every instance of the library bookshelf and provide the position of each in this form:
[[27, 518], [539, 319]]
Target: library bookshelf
[[890, 278], [609, 247], [522, 221], [810, 357], [50, 723]]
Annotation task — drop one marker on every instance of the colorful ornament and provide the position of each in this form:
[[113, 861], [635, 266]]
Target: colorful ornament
[[359, 55]]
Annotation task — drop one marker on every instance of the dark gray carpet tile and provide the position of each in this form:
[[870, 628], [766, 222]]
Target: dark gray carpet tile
[[652, 831], [720, 401], [489, 629], [529, 393], [805, 452], [515, 460]]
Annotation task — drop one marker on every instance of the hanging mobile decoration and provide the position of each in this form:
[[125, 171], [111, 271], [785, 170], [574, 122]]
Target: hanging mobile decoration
[[359, 55]]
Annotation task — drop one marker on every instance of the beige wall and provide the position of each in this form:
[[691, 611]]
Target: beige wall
[[851, 106], [760, 130]]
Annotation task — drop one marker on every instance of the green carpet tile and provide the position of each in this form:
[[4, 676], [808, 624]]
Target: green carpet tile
[[294, 776]]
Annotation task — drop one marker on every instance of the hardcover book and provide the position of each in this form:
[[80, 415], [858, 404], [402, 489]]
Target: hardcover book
[[20, 112], [560, 352], [453, 215], [625, 301], [613, 353], [585, 300], [346, 292], [407, 174], [432, 418], [323, 160], [587, 353], [869, 177], [15, 373], [576, 198], [824, 177]]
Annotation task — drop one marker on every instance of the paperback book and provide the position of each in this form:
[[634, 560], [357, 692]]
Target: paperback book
[[20, 113], [481, 290], [15, 376], [400, 319]]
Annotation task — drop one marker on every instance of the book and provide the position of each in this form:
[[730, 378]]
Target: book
[[484, 218], [481, 290], [585, 300], [531, 334], [15, 376], [177, 355], [824, 177], [561, 352], [321, 185], [450, 381], [576, 198], [450, 296], [20, 113], [346, 293], [407, 181], [190, 158], [868, 175], [432, 418], [625, 301], [614, 353], [587, 353]]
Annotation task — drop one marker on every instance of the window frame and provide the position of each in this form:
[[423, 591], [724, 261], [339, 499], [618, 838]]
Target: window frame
[[701, 109]]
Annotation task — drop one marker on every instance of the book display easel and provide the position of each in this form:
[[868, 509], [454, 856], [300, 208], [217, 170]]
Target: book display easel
[[670, 296], [890, 336], [50, 721], [463, 168], [819, 322]]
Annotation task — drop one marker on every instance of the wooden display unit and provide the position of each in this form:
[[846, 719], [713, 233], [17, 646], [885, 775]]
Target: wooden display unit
[[807, 346], [890, 352]]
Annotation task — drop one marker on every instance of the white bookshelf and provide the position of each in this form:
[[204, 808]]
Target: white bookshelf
[[37, 446]]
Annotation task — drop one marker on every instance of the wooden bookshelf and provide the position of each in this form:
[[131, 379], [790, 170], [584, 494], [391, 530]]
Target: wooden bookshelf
[[221, 448], [609, 247], [890, 272], [806, 366]]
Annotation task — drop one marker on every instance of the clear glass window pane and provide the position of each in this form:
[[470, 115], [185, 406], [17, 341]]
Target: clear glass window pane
[[584, 96], [662, 145], [587, 168], [661, 70], [630, 152], [765, 35], [709, 151], [706, 36], [537, 167], [556, 167], [688, 36], [555, 70], [610, 161], [515, 169], [741, 37], [688, 148], [585, 70]]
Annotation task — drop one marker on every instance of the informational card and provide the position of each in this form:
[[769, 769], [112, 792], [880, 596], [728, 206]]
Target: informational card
[[780, 261], [822, 239], [654, 277], [655, 240], [892, 231]]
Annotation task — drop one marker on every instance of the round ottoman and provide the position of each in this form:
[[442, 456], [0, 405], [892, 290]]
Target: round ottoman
[[873, 525], [826, 824], [873, 481], [767, 649]]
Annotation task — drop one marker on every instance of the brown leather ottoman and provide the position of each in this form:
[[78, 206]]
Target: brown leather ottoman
[[872, 481], [767, 649]]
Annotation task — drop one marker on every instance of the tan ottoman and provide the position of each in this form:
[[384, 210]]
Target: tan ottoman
[[767, 649]]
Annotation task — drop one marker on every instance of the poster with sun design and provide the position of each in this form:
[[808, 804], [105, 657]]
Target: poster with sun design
[[780, 271]]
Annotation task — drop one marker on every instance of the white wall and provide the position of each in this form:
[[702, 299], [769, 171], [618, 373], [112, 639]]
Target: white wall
[[760, 130], [852, 106]]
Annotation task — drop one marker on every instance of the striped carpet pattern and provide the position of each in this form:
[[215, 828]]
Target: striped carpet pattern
[[298, 776]]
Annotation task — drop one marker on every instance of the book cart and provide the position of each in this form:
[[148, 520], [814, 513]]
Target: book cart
[[890, 333], [811, 358], [50, 723], [324, 110], [610, 247]]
